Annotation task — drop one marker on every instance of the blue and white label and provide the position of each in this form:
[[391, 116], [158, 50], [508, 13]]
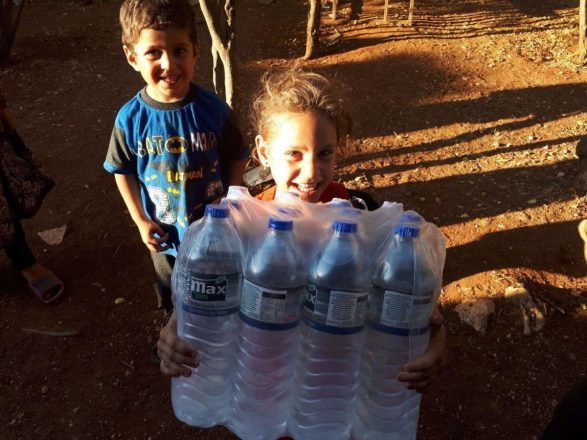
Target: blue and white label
[[211, 294], [272, 309], [335, 311], [399, 310]]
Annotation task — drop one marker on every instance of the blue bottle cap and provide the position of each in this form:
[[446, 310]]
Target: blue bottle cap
[[406, 231], [344, 226], [216, 211], [411, 217], [280, 225]]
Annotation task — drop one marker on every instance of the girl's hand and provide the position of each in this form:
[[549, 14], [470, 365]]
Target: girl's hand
[[422, 372], [152, 235], [176, 356]]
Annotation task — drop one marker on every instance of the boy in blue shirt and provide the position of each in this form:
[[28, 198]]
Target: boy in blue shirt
[[175, 147]]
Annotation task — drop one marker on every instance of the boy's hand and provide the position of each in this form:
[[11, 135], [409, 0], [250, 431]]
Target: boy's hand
[[422, 372], [177, 357], [153, 236]]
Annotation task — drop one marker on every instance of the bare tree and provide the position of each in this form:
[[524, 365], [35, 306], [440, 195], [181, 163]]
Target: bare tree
[[583, 30], [313, 29], [220, 19], [9, 18]]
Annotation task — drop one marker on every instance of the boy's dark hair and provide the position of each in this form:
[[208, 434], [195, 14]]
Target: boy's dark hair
[[136, 15]]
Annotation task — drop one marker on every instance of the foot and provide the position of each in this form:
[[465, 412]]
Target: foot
[[44, 283]]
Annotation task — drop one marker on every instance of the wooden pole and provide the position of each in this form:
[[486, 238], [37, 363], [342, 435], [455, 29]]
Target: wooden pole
[[411, 12], [219, 16], [313, 29], [583, 30]]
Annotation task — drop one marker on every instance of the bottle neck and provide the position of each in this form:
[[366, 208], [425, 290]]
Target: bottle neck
[[279, 232], [216, 220]]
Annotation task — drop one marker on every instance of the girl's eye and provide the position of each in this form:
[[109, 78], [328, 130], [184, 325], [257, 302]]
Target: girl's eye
[[325, 153], [296, 155], [180, 51], [153, 53]]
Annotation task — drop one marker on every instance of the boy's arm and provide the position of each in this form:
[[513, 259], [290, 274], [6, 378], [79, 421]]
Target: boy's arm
[[128, 186], [234, 154]]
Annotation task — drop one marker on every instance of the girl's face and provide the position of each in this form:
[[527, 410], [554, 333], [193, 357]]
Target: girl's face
[[301, 153]]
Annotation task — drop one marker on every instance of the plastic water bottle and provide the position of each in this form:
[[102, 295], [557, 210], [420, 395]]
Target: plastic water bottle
[[402, 298], [207, 280], [332, 334], [268, 337], [337, 202]]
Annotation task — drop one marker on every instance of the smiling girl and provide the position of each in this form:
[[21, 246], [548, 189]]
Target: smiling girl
[[301, 122]]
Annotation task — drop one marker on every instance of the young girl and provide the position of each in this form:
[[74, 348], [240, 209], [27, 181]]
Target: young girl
[[301, 122]]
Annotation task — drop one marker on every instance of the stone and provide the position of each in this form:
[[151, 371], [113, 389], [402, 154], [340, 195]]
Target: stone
[[476, 313], [53, 236]]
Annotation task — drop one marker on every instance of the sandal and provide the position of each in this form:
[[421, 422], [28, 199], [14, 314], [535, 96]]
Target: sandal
[[47, 288]]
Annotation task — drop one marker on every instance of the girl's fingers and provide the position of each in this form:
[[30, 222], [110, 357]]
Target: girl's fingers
[[418, 376], [175, 364], [419, 381], [426, 362], [179, 353], [174, 370]]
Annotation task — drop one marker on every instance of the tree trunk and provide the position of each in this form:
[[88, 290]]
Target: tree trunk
[[313, 29], [583, 30], [8, 25], [220, 19], [356, 9], [217, 73]]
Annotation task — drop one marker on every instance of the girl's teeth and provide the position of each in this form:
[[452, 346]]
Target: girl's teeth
[[306, 188]]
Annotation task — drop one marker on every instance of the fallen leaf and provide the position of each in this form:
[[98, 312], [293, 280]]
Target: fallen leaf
[[531, 201], [119, 301]]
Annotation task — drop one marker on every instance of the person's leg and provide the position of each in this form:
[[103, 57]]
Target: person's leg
[[44, 283], [569, 421], [163, 264], [18, 250]]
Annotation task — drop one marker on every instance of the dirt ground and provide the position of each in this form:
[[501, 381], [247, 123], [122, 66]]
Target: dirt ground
[[470, 117]]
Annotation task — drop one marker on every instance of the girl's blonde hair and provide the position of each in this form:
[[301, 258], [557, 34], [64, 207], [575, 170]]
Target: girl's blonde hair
[[136, 15], [298, 91]]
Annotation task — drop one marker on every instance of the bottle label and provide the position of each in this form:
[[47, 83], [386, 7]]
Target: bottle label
[[211, 294], [399, 313], [270, 309], [334, 311]]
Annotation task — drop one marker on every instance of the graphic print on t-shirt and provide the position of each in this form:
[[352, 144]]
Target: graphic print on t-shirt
[[162, 204]]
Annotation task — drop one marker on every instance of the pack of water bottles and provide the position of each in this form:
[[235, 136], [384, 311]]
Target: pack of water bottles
[[303, 315]]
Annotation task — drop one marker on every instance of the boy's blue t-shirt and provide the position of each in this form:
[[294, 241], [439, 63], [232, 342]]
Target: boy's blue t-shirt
[[178, 152]]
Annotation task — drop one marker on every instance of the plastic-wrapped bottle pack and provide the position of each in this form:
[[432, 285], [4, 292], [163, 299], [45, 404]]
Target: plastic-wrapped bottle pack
[[334, 300]]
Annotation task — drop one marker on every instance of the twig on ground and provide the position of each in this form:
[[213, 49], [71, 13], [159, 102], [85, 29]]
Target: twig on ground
[[132, 367], [550, 303], [50, 333]]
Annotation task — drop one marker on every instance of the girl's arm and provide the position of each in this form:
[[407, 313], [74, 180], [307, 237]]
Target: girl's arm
[[176, 356], [128, 186], [422, 372]]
